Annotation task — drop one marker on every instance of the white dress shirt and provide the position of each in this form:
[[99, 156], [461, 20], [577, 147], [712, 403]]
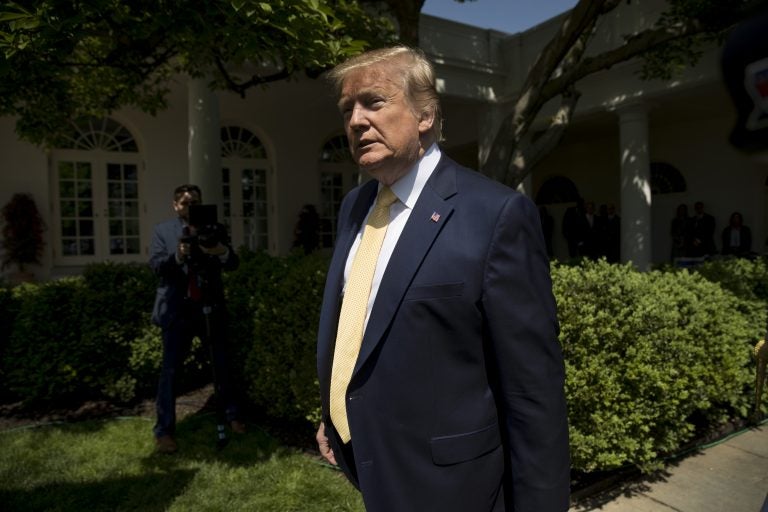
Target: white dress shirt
[[407, 189]]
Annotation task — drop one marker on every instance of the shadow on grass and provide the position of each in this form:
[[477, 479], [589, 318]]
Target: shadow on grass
[[197, 438], [150, 492]]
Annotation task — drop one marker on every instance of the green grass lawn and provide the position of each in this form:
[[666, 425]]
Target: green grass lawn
[[111, 465]]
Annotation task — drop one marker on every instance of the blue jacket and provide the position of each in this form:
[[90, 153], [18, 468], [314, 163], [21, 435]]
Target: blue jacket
[[457, 399]]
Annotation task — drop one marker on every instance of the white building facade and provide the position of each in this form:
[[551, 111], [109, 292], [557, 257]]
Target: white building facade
[[645, 146]]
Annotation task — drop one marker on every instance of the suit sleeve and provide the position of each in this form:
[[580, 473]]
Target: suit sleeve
[[162, 256], [521, 325]]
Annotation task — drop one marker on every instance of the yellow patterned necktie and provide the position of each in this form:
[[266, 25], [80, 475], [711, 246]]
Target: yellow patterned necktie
[[354, 307]]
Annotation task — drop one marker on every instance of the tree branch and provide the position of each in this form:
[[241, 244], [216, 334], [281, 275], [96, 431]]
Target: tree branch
[[241, 87], [635, 46], [528, 154], [565, 48]]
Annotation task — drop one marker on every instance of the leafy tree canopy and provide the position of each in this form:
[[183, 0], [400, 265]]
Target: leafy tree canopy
[[673, 42], [63, 59]]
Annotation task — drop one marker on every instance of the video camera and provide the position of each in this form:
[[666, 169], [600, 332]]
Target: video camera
[[208, 232]]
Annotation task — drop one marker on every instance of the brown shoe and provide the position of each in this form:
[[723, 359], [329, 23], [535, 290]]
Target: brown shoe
[[165, 444], [238, 427]]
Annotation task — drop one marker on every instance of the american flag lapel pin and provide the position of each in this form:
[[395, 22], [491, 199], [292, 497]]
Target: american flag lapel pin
[[435, 217]]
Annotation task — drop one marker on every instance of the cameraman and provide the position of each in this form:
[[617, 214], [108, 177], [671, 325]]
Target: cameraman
[[190, 289]]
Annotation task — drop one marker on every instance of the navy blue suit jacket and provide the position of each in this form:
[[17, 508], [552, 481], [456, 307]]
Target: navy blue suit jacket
[[456, 402]]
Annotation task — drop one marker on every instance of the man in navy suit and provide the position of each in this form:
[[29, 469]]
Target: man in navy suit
[[189, 303], [456, 400]]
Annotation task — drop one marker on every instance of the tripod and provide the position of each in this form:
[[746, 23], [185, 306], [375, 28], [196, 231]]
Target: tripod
[[207, 309], [221, 416]]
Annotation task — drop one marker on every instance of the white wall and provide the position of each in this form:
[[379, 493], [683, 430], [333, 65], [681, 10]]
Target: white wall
[[293, 120]]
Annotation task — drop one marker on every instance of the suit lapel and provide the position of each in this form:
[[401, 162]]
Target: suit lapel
[[346, 237], [335, 278], [427, 219]]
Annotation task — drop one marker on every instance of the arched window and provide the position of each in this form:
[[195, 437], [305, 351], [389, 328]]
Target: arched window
[[96, 186], [245, 169], [240, 142], [336, 150], [666, 179], [100, 134], [557, 189], [338, 175]]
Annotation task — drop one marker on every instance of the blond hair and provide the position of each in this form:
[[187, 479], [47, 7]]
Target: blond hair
[[417, 74]]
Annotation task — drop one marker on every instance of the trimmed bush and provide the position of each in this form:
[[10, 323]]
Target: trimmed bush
[[652, 358], [44, 358], [279, 299], [116, 308], [86, 337], [9, 308], [745, 278], [646, 354]]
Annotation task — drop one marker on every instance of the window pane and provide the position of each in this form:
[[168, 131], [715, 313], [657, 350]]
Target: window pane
[[85, 209], [115, 227], [132, 245], [116, 246], [131, 190], [84, 189], [115, 190], [113, 172], [131, 209], [68, 208], [69, 247], [84, 171], [86, 247], [68, 227], [86, 227], [131, 172], [115, 209], [132, 227], [67, 189], [66, 170]]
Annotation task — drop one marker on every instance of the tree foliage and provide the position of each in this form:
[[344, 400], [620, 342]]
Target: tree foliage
[[667, 46], [673, 42], [63, 59]]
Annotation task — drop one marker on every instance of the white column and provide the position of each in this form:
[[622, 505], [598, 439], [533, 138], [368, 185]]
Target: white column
[[635, 187], [204, 149]]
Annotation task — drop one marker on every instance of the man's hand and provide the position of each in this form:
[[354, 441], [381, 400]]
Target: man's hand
[[183, 251], [217, 250], [324, 445]]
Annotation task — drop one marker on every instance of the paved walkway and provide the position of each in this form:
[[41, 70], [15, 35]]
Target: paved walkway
[[730, 476]]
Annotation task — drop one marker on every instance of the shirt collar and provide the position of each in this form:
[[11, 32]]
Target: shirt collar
[[409, 187]]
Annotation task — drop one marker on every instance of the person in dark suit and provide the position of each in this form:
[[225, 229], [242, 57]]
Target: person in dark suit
[[190, 302], [574, 229], [452, 395], [702, 232], [736, 237], [609, 233]]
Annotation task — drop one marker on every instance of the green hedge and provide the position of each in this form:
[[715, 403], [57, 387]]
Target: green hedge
[[648, 356], [651, 357], [745, 278], [9, 308], [275, 306], [86, 337]]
